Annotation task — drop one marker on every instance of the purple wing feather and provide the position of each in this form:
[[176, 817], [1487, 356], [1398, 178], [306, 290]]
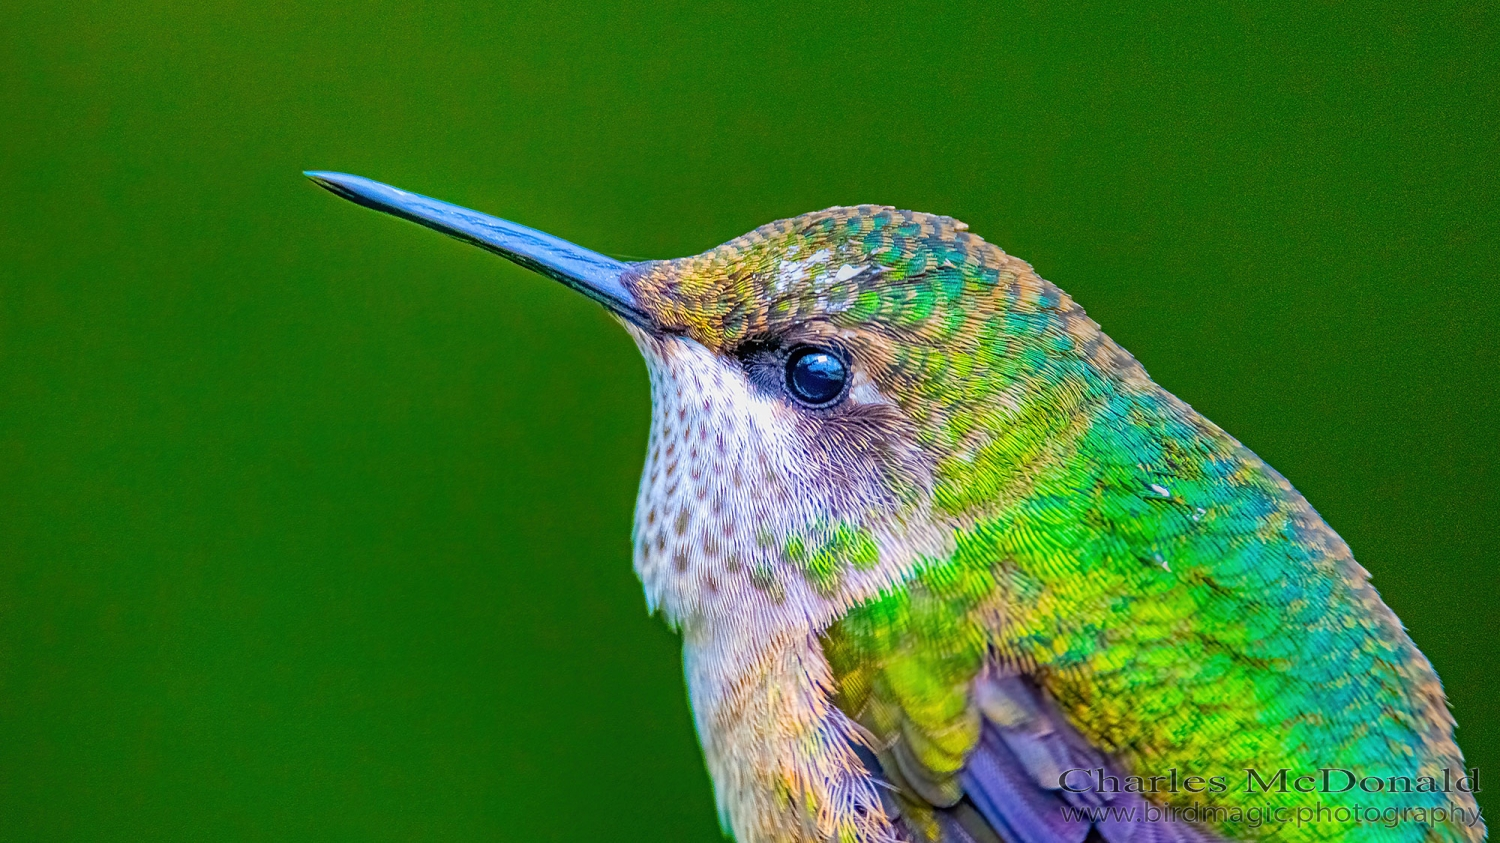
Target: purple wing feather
[[1014, 776], [1011, 780]]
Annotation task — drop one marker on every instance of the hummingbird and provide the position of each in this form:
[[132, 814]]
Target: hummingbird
[[949, 566]]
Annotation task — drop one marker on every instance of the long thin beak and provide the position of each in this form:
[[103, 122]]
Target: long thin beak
[[594, 275]]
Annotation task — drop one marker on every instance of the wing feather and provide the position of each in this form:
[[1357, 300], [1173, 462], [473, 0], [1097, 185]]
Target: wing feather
[[1011, 783]]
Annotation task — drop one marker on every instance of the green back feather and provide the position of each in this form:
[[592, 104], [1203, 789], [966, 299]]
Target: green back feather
[[1182, 603]]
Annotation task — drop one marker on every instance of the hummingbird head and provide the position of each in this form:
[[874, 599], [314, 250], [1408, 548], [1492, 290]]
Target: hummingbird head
[[834, 396]]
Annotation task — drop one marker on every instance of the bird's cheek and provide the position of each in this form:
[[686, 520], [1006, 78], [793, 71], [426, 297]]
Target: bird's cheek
[[863, 390]]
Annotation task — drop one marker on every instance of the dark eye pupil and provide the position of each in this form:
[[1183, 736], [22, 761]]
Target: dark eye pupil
[[815, 376]]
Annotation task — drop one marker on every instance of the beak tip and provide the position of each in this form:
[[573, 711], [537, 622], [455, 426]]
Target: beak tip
[[369, 193], [341, 184], [595, 275]]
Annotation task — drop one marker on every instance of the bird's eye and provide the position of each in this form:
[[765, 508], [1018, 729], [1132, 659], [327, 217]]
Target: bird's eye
[[816, 376]]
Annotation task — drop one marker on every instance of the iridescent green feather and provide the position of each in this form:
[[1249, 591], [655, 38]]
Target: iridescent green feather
[[1185, 606]]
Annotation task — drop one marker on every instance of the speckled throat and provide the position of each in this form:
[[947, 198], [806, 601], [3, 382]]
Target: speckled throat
[[1003, 549]]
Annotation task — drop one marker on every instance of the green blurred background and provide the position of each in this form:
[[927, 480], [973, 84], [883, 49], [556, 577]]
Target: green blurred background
[[315, 525]]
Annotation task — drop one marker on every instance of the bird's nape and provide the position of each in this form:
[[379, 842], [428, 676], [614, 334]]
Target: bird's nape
[[936, 542]]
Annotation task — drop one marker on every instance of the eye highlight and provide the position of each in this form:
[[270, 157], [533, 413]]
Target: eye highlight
[[816, 376]]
